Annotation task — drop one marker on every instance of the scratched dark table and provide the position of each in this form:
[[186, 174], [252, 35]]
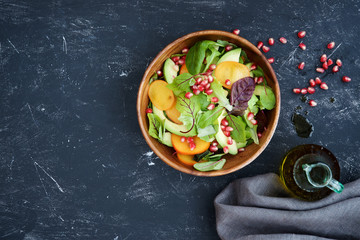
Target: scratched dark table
[[74, 164]]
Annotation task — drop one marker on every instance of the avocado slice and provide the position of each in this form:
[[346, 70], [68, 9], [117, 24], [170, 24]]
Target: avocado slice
[[222, 139], [167, 139], [169, 70], [172, 127], [233, 56]]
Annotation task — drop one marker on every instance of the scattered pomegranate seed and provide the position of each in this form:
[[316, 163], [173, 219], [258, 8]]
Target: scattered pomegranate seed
[[188, 95], [253, 122], [148, 110], [323, 58], [301, 34], [320, 70], [192, 146], [259, 135], [185, 50], [302, 46], [236, 31], [271, 41], [196, 91], [229, 129], [265, 49], [311, 90], [346, 79], [312, 83], [253, 67], [190, 139], [182, 139], [181, 62], [271, 60], [224, 122], [241, 149], [325, 65], [283, 40], [330, 62], [260, 80], [303, 91], [250, 116], [226, 149], [312, 103], [317, 81], [213, 148], [209, 91], [324, 86], [214, 99], [260, 44], [210, 79], [301, 65], [228, 48], [159, 73], [226, 133], [230, 141], [335, 68], [211, 106], [331, 45], [296, 90], [338, 62], [223, 127], [176, 68], [227, 82], [201, 88]]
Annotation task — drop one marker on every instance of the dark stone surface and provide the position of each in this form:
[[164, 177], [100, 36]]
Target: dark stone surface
[[74, 164]]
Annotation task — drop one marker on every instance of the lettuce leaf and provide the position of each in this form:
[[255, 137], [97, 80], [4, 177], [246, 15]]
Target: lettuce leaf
[[221, 94], [238, 124]]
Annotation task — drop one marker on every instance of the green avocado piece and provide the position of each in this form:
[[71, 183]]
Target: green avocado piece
[[172, 127], [167, 139], [233, 56], [222, 139], [169, 70]]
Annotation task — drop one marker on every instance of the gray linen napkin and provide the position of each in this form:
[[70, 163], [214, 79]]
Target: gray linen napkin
[[260, 208]]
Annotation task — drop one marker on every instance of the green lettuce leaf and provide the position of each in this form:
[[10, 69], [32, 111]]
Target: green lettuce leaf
[[267, 96], [210, 166], [238, 124], [221, 94], [181, 83], [209, 117], [196, 55]]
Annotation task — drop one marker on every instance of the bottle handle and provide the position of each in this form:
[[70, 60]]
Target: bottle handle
[[335, 185]]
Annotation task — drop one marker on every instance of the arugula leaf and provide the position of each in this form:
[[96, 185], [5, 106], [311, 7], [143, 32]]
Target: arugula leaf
[[220, 93], [209, 117], [258, 72], [196, 55], [267, 96], [198, 157], [238, 124], [210, 166], [208, 156], [181, 83]]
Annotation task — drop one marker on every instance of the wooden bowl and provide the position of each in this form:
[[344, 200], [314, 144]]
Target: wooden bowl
[[233, 162]]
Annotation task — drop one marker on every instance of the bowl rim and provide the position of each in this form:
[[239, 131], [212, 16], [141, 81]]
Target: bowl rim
[[276, 109]]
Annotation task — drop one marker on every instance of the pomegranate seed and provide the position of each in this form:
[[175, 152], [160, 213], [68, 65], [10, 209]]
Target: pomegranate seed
[[192, 146], [196, 91], [260, 44], [302, 46], [265, 49], [241, 150], [250, 116], [271, 60], [338, 62], [181, 62], [229, 129], [324, 86], [346, 79], [226, 149], [224, 122], [228, 48], [312, 103], [227, 82], [325, 65], [223, 127], [271, 41], [331, 45], [214, 99], [283, 40], [303, 91], [330, 62], [190, 139], [320, 70], [323, 58], [212, 67], [185, 50], [253, 122], [188, 95], [211, 106], [201, 88], [210, 79], [209, 91], [148, 110], [214, 143], [176, 68], [226, 133], [204, 82], [207, 87], [256, 79], [301, 34], [236, 31], [259, 135], [198, 80], [213, 148], [182, 139], [317, 81], [175, 59], [311, 90], [301, 66], [260, 80], [230, 141], [194, 87], [253, 67], [296, 90], [312, 83], [159, 73], [335, 68]]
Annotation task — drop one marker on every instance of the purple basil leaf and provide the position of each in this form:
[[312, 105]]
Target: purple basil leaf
[[262, 121], [241, 92]]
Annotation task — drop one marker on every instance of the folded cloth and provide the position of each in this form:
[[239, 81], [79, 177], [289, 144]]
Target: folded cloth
[[260, 208]]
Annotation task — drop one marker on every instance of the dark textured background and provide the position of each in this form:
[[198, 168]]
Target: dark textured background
[[74, 164]]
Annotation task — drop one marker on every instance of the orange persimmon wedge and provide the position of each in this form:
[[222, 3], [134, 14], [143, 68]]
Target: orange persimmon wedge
[[162, 97], [184, 148], [186, 159], [183, 69], [230, 70], [173, 114]]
